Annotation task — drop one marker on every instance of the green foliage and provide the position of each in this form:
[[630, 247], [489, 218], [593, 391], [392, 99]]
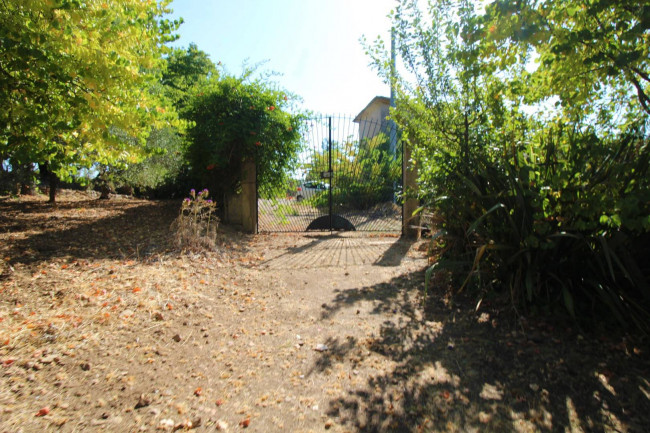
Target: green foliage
[[186, 71], [286, 209], [281, 211], [235, 119], [557, 223], [164, 172], [195, 228], [591, 55], [365, 173], [163, 167], [548, 207], [75, 79]]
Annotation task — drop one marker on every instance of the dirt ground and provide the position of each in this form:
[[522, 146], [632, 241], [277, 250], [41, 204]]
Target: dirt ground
[[104, 326]]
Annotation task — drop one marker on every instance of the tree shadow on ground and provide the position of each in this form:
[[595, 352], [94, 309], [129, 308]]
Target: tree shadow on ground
[[86, 229], [396, 253], [340, 250], [315, 240], [451, 368]]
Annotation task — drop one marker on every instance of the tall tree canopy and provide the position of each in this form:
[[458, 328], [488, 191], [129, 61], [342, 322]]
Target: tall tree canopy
[[75, 80], [186, 71], [586, 52]]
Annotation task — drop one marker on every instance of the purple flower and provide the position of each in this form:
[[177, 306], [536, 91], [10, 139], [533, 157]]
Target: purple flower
[[192, 191], [187, 200], [208, 201]]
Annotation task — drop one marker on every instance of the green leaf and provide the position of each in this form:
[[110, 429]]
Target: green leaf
[[476, 223]]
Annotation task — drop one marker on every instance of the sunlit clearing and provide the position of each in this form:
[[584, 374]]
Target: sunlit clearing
[[574, 419], [605, 382], [491, 392], [645, 389], [611, 423]]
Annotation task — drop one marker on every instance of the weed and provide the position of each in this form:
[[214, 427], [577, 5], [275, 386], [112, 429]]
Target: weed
[[195, 228]]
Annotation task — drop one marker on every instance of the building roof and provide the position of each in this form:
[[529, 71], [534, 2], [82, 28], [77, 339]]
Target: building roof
[[377, 100]]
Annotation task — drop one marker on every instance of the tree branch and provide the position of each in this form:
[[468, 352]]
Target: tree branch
[[643, 97]]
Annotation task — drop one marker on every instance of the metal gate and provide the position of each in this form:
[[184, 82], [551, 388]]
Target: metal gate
[[347, 176]]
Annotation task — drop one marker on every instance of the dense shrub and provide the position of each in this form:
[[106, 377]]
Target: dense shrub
[[555, 221], [154, 174], [549, 202], [234, 119]]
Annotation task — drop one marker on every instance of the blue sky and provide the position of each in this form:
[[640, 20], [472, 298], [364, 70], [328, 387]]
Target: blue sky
[[313, 44]]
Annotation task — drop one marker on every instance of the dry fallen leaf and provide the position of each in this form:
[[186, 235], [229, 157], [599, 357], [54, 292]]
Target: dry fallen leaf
[[245, 423], [43, 411]]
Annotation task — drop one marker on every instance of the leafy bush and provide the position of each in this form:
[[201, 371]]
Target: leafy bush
[[283, 210], [551, 208], [235, 119], [547, 227], [195, 228]]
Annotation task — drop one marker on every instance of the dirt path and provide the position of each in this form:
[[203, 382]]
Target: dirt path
[[103, 327]]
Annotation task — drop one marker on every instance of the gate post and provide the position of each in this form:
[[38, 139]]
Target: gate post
[[410, 223], [249, 196]]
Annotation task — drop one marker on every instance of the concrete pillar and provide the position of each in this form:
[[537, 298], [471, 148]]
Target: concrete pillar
[[410, 223], [233, 209], [249, 197]]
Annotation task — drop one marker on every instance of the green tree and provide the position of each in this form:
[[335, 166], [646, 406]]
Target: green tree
[[590, 54], [185, 70], [450, 104], [164, 171], [157, 174], [75, 79]]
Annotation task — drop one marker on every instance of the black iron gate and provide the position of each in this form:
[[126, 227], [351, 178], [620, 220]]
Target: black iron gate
[[347, 176]]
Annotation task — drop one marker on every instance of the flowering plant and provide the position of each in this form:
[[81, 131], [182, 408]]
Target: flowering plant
[[238, 119], [196, 225]]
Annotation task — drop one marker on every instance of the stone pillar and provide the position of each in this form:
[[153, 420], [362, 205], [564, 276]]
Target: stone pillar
[[410, 223], [249, 197]]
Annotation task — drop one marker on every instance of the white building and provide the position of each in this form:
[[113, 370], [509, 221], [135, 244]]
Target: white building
[[373, 119]]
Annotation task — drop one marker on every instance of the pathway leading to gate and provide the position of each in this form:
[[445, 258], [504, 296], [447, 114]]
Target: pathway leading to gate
[[340, 250], [105, 327], [336, 297]]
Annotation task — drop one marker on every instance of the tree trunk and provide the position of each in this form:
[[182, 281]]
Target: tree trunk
[[105, 192], [51, 178], [26, 189], [54, 183]]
